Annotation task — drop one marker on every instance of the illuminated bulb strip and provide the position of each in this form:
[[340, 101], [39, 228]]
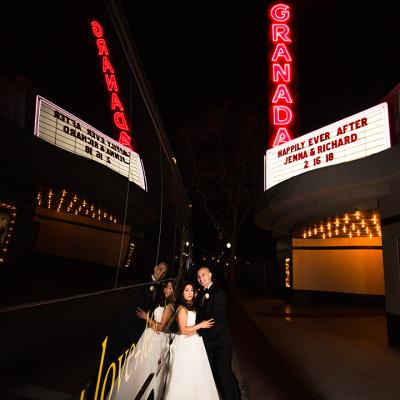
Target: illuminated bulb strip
[[71, 203], [12, 211], [129, 257], [358, 223], [287, 273]]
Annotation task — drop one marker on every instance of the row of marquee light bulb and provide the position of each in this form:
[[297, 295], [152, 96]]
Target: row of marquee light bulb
[[357, 224], [130, 253], [13, 213], [71, 203]]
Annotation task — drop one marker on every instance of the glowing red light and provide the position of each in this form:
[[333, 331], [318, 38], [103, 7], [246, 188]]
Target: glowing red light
[[282, 136], [280, 32], [124, 139], [109, 75], [120, 121], [102, 46], [107, 67], [281, 73], [116, 102], [111, 83], [280, 12], [282, 93], [281, 51], [282, 115]]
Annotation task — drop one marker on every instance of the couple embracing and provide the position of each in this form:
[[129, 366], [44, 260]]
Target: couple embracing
[[201, 353]]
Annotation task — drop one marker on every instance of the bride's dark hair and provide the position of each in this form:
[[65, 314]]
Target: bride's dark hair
[[164, 301], [181, 300]]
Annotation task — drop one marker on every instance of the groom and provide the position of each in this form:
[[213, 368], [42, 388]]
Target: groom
[[210, 303]]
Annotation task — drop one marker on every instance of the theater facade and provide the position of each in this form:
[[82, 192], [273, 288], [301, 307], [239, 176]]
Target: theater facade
[[332, 200]]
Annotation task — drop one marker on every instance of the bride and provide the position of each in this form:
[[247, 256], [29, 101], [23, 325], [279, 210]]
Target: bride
[[190, 375], [146, 370]]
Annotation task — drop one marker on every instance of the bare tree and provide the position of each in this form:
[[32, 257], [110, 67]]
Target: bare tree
[[221, 148]]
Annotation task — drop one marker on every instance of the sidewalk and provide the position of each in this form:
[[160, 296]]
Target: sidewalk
[[318, 352], [265, 374]]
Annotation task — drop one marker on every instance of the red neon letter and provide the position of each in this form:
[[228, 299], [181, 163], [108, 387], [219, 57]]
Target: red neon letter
[[107, 65], [282, 136], [96, 29], [283, 72], [281, 51], [108, 70], [101, 45], [115, 102], [282, 92], [125, 139], [111, 83], [120, 121], [280, 31], [283, 115], [280, 12]]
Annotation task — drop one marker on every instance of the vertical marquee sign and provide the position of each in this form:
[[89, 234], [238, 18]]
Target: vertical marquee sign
[[281, 104], [117, 108]]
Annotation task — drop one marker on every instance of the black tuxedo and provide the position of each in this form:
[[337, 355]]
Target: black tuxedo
[[211, 303], [147, 297]]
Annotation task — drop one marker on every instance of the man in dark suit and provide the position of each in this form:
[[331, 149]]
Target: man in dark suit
[[147, 297], [211, 303], [127, 328]]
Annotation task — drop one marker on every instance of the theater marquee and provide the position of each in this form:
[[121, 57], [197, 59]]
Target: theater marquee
[[281, 113], [64, 130], [355, 137]]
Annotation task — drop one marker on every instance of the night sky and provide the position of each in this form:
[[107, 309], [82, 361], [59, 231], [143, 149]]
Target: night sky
[[195, 53], [346, 54]]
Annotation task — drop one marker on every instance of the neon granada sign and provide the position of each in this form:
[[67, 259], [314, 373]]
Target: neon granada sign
[[281, 111], [109, 75]]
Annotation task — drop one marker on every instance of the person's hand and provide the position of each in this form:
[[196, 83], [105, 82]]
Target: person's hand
[[207, 323], [141, 314]]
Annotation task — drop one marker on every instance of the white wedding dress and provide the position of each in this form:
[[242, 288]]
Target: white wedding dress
[[149, 356], [190, 375]]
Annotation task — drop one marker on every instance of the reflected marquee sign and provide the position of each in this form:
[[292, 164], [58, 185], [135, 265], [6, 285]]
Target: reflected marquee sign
[[64, 130], [112, 86], [355, 137]]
